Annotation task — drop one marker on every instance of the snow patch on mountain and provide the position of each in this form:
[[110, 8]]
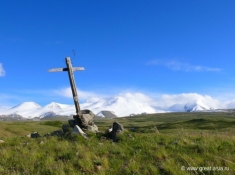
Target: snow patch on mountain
[[196, 106], [22, 108], [27, 105], [100, 114], [54, 105], [106, 114], [121, 106]]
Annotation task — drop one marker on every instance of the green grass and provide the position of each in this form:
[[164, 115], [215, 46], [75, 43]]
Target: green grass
[[152, 144]]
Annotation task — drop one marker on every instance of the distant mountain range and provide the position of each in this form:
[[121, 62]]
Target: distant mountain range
[[115, 106]]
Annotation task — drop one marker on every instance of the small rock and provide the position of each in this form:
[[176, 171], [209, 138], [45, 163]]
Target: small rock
[[103, 138], [34, 135], [1, 141], [98, 167], [57, 133], [78, 130], [41, 143], [25, 143], [108, 131], [47, 135], [130, 136]]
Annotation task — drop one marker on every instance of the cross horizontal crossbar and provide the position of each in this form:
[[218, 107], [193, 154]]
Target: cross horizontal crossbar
[[65, 69], [70, 69]]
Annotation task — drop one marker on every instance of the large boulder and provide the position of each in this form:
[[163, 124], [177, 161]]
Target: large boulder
[[88, 117], [115, 131], [85, 121], [92, 128], [85, 118]]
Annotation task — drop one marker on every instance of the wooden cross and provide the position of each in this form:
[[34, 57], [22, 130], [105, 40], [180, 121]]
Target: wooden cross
[[70, 70]]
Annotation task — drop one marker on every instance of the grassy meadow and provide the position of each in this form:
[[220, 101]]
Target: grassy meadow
[[172, 143]]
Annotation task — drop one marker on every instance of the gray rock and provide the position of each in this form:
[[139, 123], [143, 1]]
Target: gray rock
[[78, 130], [1, 141], [33, 135], [117, 127], [108, 131], [92, 128], [85, 118], [116, 130], [66, 128], [25, 143], [57, 133], [72, 123], [47, 135]]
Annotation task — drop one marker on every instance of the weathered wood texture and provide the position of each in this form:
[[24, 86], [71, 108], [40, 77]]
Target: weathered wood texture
[[70, 70]]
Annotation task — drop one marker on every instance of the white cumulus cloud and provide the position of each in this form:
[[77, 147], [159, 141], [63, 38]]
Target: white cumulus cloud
[[169, 100], [82, 95], [139, 97], [2, 71], [161, 102]]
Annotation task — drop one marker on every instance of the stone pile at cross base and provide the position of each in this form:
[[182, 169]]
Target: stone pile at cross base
[[81, 124], [84, 120]]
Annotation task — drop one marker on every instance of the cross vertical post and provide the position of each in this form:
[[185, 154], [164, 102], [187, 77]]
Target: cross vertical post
[[73, 85], [70, 70]]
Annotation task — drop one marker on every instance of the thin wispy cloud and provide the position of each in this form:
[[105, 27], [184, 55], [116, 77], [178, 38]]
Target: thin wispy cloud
[[2, 71], [181, 66], [10, 100], [82, 95]]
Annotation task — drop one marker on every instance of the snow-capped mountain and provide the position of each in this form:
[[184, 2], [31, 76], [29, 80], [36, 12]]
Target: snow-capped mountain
[[54, 105], [120, 105], [22, 108], [196, 106], [26, 105], [106, 114], [192, 106]]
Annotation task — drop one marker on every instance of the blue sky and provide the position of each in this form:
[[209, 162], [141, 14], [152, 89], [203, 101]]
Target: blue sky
[[152, 47]]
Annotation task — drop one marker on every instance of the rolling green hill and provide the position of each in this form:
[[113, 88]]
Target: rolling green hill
[[172, 143]]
